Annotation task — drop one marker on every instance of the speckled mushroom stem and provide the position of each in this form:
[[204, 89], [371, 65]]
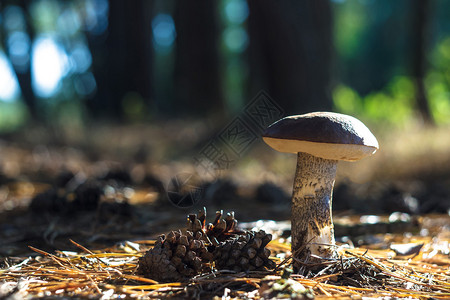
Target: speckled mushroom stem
[[311, 207]]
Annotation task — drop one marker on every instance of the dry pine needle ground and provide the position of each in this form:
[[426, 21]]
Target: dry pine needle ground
[[111, 273]]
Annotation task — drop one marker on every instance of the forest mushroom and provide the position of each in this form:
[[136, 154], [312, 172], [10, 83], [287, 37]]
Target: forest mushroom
[[320, 140]]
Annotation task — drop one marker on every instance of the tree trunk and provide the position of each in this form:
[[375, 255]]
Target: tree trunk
[[197, 62], [419, 33], [23, 73], [290, 52], [127, 59]]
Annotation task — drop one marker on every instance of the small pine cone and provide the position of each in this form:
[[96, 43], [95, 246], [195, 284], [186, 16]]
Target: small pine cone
[[219, 230], [244, 252], [175, 257]]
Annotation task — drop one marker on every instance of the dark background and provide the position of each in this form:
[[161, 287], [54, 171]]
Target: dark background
[[73, 62]]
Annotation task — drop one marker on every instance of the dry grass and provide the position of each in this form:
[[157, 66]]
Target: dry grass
[[110, 273]]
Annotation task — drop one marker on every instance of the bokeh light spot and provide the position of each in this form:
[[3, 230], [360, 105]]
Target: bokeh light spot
[[236, 11], [236, 39], [19, 46], [85, 84], [164, 32], [49, 66], [9, 87], [14, 18], [69, 21], [96, 16], [81, 58]]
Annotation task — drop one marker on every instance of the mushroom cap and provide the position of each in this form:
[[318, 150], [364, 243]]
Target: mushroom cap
[[323, 134]]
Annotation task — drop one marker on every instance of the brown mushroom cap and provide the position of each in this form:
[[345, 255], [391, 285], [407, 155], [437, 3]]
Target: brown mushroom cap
[[323, 134]]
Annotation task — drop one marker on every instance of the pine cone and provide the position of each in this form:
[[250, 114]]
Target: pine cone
[[233, 249], [217, 231], [244, 252], [176, 257]]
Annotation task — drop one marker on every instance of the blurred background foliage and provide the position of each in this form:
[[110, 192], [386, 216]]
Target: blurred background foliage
[[72, 63]]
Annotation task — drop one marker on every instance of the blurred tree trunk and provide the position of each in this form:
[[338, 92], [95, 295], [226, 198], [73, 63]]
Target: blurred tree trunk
[[419, 32], [23, 72], [126, 58], [197, 62], [290, 52]]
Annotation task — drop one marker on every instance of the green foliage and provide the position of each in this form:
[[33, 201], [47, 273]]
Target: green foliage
[[438, 97], [12, 115], [437, 82], [350, 27], [347, 100], [373, 44], [44, 14], [394, 105]]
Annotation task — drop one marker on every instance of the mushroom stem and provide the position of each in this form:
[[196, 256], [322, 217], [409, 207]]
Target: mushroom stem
[[311, 207]]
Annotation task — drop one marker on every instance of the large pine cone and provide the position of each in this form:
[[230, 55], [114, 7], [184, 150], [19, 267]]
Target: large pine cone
[[244, 252], [176, 257]]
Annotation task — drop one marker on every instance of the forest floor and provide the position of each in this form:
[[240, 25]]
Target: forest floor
[[78, 208]]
